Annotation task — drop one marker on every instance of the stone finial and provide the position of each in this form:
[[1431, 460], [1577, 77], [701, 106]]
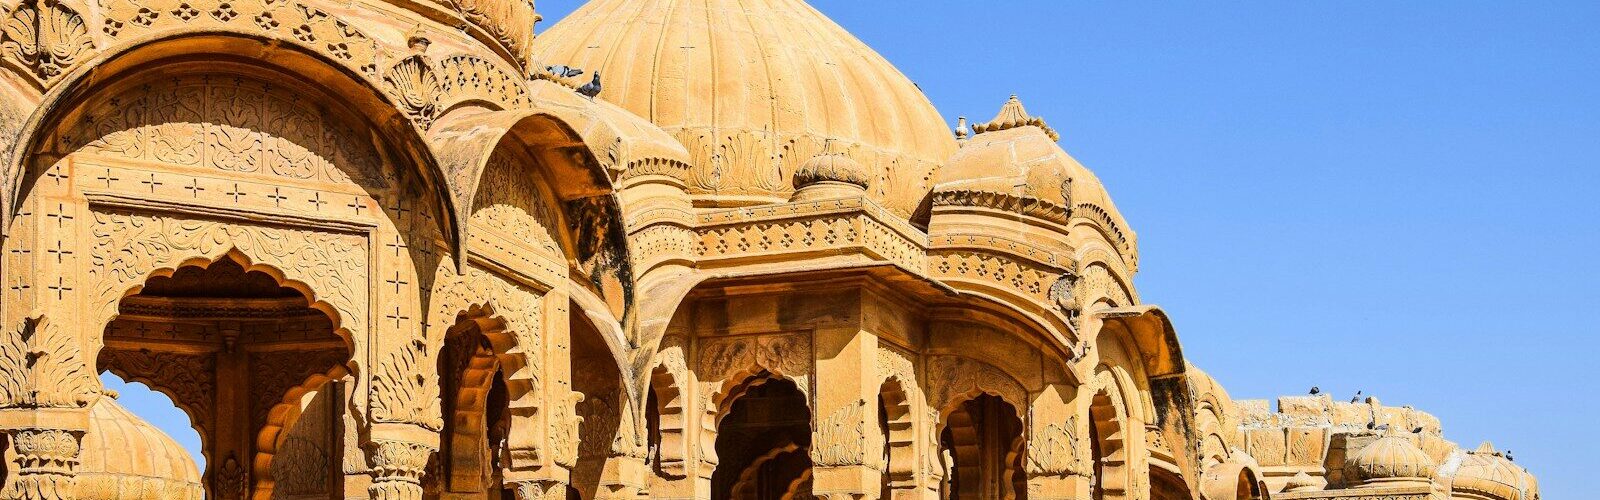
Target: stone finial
[[830, 174], [1013, 115], [961, 128]]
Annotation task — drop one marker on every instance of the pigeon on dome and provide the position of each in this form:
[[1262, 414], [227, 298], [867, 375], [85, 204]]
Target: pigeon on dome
[[1013, 115]]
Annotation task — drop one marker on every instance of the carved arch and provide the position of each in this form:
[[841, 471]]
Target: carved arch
[[510, 318], [274, 51], [283, 415]]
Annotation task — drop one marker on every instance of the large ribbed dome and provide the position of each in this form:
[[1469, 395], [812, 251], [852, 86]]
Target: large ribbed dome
[[753, 88], [126, 458]]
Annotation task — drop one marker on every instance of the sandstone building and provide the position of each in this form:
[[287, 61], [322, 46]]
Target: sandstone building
[[378, 248]]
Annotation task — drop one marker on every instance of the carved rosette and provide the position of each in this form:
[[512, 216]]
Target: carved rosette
[[397, 468], [45, 461]]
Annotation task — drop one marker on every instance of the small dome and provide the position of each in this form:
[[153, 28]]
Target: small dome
[[1302, 482], [1487, 472], [830, 174], [753, 89], [1389, 460], [126, 458], [1013, 164]]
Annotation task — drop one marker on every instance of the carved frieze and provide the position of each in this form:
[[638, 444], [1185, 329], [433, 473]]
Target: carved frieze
[[854, 225], [785, 354], [950, 378]]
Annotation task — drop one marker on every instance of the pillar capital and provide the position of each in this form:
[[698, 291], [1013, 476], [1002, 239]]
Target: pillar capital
[[47, 461], [540, 489], [397, 464]]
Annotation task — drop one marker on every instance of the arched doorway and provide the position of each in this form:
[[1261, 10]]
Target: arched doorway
[[260, 372], [763, 442], [982, 440], [475, 404]]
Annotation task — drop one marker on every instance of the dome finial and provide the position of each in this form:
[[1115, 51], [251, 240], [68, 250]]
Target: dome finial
[[829, 174], [1012, 115], [961, 128]]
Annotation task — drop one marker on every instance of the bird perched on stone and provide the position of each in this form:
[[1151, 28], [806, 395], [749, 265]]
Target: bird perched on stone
[[1356, 398], [592, 88], [1316, 390], [563, 71]]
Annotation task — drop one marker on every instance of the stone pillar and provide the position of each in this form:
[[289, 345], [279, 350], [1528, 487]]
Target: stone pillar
[[1056, 448], [46, 460], [399, 455], [847, 446]]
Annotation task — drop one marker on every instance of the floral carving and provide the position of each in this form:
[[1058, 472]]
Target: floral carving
[[1053, 450], [46, 37], [787, 354], [397, 468], [187, 378], [844, 438], [128, 247], [45, 459], [951, 378], [415, 87], [42, 367]]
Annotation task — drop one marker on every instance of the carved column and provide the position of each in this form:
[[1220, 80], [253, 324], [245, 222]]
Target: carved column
[[847, 447], [1055, 464], [399, 456], [46, 463]]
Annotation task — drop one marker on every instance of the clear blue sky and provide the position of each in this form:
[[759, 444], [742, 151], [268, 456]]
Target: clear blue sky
[[1399, 198]]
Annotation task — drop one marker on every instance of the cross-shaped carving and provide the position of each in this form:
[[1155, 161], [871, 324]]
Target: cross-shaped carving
[[60, 214], [357, 205], [400, 209], [277, 198], [194, 187], [144, 329], [399, 319], [60, 288], [21, 287], [398, 245], [397, 282], [317, 201], [60, 252], [55, 175], [21, 249], [236, 193], [152, 183], [108, 178]]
